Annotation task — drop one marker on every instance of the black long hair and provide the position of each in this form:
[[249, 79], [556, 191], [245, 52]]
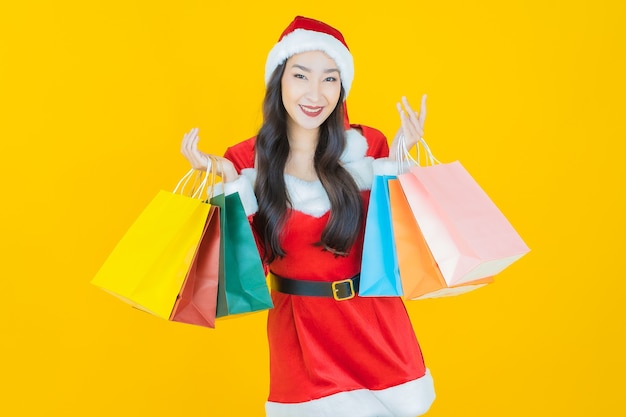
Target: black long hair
[[272, 151]]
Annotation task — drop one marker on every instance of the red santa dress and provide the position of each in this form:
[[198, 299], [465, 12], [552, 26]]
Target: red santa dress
[[356, 357]]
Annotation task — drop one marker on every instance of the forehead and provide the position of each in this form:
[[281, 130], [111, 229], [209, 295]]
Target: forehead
[[313, 60]]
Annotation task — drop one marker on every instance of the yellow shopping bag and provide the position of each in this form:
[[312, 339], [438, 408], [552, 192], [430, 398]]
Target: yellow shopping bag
[[148, 266]]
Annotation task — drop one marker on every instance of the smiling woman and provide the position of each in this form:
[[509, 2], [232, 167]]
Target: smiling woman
[[310, 91], [305, 181]]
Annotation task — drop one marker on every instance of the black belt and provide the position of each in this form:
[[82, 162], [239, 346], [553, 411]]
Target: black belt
[[344, 289]]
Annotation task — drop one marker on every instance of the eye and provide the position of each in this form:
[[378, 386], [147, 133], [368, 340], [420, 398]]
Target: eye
[[331, 79], [301, 76]]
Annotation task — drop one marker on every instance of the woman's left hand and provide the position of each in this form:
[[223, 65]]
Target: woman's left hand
[[412, 125]]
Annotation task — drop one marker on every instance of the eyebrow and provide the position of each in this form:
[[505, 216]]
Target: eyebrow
[[303, 68]]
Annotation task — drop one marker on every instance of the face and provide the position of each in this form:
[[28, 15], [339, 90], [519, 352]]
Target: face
[[310, 89]]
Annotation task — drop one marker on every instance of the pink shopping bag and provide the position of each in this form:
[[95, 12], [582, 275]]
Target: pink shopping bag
[[467, 234], [420, 275]]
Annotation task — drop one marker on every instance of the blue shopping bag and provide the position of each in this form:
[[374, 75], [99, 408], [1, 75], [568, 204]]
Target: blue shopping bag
[[380, 274]]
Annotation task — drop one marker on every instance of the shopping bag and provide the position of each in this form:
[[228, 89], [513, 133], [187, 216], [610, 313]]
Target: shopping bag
[[242, 284], [379, 264], [148, 265], [419, 273], [467, 234], [197, 301]]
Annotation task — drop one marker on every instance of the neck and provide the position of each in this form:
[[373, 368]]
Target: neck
[[302, 140], [302, 146]]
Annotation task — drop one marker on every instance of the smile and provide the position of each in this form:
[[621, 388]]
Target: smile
[[311, 111]]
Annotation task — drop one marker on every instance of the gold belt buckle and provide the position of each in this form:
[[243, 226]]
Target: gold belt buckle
[[334, 284]]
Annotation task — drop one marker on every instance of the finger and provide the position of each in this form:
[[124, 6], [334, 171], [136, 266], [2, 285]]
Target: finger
[[185, 143], [413, 117], [407, 106], [422, 116], [188, 137], [189, 149], [409, 126], [402, 115], [193, 141], [192, 144]]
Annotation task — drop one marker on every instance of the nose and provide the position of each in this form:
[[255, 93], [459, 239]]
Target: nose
[[315, 91]]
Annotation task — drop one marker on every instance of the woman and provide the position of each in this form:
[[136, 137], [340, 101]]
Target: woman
[[304, 181]]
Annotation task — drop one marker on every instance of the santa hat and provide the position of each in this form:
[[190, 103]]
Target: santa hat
[[303, 35]]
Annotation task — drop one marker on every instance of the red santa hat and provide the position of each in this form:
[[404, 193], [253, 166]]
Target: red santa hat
[[303, 35]]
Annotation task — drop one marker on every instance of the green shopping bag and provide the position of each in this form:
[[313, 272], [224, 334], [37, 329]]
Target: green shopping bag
[[242, 286]]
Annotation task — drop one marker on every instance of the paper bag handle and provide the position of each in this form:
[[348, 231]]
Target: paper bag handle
[[197, 191], [405, 160]]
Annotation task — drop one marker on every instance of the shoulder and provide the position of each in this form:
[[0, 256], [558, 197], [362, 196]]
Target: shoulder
[[364, 144], [362, 141], [242, 154], [377, 146]]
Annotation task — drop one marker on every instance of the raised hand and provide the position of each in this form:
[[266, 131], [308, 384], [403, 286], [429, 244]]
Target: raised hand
[[201, 161], [411, 124]]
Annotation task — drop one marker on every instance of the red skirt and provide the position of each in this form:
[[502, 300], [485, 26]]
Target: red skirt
[[357, 354]]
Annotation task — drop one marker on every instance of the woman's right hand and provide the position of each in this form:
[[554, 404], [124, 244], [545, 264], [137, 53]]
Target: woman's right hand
[[201, 161], [412, 125]]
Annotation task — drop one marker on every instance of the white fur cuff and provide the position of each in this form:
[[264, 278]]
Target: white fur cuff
[[386, 166], [243, 186]]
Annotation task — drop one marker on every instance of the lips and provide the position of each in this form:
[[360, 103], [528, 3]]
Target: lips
[[311, 111]]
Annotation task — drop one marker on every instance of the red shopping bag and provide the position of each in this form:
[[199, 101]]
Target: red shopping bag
[[197, 301], [419, 273], [467, 234]]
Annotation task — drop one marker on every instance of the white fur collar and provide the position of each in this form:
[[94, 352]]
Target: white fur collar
[[309, 197]]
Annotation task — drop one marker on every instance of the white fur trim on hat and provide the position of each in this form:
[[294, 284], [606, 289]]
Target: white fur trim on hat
[[301, 40]]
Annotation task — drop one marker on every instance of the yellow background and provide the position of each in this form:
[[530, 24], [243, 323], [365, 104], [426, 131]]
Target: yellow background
[[95, 97]]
